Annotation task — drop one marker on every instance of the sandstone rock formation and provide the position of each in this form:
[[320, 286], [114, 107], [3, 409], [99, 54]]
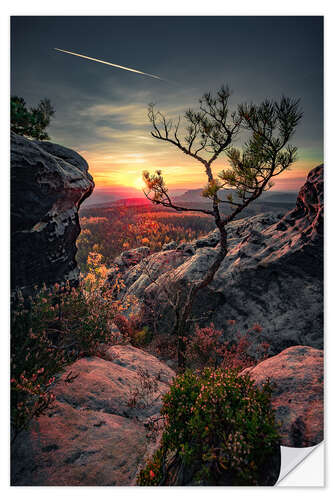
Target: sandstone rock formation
[[93, 436], [48, 184], [130, 258], [297, 374], [272, 275]]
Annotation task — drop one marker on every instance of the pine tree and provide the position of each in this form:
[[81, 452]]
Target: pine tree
[[208, 132], [30, 123]]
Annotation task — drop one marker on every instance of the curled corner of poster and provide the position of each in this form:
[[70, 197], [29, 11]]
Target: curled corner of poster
[[302, 467]]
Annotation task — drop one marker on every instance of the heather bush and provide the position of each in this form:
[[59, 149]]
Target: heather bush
[[133, 329], [206, 347], [219, 430], [52, 329], [152, 474]]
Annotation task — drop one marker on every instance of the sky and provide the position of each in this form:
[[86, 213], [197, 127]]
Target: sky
[[101, 111]]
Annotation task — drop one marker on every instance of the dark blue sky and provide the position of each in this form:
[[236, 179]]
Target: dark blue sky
[[101, 111]]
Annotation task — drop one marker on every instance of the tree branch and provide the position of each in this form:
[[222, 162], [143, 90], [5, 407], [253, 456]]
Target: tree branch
[[169, 204]]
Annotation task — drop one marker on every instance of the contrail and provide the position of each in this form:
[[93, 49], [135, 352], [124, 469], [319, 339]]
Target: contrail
[[110, 64]]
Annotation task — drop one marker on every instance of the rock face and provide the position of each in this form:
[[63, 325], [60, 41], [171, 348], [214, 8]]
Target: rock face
[[272, 274], [129, 258], [48, 184], [297, 373], [92, 436]]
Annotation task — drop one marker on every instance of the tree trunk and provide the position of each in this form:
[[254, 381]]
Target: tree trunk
[[184, 311]]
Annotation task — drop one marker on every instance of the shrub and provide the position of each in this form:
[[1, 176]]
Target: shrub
[[142, 337], [207, 348], [132, 329], [49, 331], [152, 474], [219, 430]]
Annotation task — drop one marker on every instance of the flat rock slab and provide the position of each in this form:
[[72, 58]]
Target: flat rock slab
[[297, 373], [92, 436]]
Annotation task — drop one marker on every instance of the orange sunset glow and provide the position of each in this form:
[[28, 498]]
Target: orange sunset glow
[[179, 171]]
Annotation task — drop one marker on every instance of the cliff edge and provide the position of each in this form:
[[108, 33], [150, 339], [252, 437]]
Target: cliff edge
[[48, 184]]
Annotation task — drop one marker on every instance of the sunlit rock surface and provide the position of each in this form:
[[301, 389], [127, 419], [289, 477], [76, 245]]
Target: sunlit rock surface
[[48, 184], [297, 374], [92, 436], [272, 275]]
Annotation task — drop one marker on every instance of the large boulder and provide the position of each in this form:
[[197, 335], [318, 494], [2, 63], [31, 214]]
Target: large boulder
[[96, 433], [272, 274], [297, 375], [48, 184]]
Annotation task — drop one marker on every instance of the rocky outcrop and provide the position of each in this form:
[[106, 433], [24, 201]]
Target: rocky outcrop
[[130, 258], [297, 376], [48, 184], [96, 433], [272, 274]]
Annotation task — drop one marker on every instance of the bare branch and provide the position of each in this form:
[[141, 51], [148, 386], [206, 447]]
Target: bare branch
[[169, 204]]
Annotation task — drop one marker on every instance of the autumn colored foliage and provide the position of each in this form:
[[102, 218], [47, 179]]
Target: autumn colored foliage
[[110, 231]]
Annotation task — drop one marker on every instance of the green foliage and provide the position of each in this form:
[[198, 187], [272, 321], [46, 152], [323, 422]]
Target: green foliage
[[48, 332], [142, 337], [267, 153], [211, 189], [219, 427], [132, 328], [152, 474], [30, 123], [211, 130]]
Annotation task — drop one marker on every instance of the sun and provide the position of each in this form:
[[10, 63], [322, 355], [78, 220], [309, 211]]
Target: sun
[[138, 183]]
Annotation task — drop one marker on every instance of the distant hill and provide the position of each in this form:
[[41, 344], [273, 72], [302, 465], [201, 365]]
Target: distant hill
[[102, 197], [127, 202], [194, 195], [105, 196], [190, 195], [279, 197]]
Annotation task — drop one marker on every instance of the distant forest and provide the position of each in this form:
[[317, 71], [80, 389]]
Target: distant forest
[[112, 228]]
